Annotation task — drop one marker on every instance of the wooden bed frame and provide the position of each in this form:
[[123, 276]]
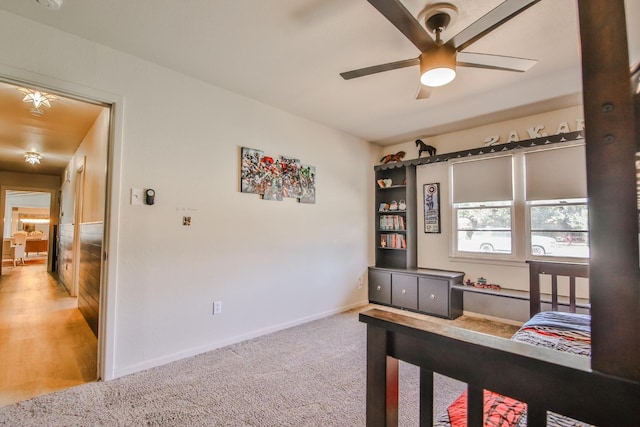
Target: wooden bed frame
[[605, 389], [555, 270], [549, 380]]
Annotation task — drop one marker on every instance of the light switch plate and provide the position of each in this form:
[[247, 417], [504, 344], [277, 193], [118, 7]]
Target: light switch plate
[[137, 196]]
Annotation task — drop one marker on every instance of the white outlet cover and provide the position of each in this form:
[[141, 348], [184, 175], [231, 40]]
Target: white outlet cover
[[217, 307], [137, 196]]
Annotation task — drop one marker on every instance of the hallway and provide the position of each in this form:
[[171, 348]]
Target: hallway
[[45, 343]]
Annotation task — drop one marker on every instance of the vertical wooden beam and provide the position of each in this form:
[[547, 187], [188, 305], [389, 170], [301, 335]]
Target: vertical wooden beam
[[611, 182], [554, 292], [572, 294], [475, 406], [536, 416], [382, 381], [534, 288], [426, 398], [393, 391]]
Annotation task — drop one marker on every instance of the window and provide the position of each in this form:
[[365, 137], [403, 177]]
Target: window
[[559, 228], [528, 204], [484, 227], [556, 190], [483, 205]]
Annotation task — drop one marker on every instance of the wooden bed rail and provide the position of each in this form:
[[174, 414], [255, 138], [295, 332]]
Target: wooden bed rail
[[554, 269], [545, 379]]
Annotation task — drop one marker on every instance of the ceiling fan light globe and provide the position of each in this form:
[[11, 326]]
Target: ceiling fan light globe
[[437, 76], [438, 66]]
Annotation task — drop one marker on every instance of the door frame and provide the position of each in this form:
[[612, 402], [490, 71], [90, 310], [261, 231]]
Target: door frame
[[78, 219], [108, 282]]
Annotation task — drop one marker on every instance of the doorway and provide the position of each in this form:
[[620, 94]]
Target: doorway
[[55, 297], [27, 215]]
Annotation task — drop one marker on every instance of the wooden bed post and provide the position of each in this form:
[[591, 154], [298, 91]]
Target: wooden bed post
[[382, 381], [611, 182]]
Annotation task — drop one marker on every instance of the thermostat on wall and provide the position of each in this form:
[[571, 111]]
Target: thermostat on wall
[[149, 196]]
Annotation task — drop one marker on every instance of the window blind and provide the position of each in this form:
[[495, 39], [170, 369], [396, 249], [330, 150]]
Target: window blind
[[554, 174], [483, 180]]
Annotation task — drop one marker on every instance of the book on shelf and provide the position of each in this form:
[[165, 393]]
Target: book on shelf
[[393, 241], [392, 222]]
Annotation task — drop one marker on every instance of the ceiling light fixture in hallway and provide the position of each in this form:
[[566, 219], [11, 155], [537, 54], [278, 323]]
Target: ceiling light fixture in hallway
[[39, 99]]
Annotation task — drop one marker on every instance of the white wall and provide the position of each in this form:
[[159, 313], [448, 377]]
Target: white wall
[[91, 156], [273, 264]]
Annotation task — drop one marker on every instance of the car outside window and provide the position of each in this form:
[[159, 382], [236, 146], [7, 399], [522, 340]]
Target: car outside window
[[484, 227], [564, 222]]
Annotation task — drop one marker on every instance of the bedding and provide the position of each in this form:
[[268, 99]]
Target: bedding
[[569, 332]]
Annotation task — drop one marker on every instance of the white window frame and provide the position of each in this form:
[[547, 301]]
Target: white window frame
[[513, 203], [529, 231], [521, 240]]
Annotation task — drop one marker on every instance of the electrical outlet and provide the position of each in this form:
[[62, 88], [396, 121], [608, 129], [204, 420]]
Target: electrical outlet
[[217, 307], [360, 282]]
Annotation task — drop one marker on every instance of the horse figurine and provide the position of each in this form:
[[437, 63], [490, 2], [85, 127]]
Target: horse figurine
[[393, 157], [424, 147]]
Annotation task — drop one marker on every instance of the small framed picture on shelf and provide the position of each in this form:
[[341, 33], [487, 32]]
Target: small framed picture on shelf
[[432, 208]]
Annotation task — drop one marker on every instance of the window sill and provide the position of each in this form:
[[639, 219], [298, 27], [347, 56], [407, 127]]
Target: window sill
[[490, 261]]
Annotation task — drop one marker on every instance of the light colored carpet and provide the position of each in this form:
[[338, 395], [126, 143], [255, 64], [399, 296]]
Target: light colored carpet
[[309, 375]]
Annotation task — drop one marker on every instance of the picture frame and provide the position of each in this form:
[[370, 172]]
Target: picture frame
[[307, 184], [252, 174], [276, 178], [431, 199]]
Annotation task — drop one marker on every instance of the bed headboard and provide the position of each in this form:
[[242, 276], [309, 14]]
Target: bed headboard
[[554, 269]]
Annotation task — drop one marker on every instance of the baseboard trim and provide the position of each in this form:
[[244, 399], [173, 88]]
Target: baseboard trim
[[152, 363]]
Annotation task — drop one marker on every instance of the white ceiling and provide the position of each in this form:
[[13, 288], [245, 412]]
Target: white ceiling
[[289, 53]]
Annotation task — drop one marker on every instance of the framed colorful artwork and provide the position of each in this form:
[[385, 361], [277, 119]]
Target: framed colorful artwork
[[307, 184], [252, 173]]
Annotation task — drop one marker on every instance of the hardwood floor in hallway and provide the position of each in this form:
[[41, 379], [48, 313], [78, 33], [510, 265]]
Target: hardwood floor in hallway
[[45, 343]]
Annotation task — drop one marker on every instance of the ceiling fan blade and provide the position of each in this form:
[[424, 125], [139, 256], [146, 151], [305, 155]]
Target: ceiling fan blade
[[423, 91], [494, 62], [404, 21], [347, 75], [483, 26]]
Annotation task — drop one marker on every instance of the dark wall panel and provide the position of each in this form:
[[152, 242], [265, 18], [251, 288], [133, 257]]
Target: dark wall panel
[[90, 270], [65, 255]]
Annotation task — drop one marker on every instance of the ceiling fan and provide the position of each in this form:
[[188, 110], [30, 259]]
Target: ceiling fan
[[438, 60]]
